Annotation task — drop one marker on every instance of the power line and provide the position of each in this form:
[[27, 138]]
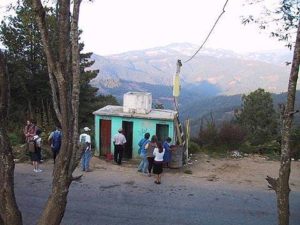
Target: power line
[[211, 30]]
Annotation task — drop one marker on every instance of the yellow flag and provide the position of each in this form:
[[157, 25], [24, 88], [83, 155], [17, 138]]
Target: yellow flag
[[176, 85]]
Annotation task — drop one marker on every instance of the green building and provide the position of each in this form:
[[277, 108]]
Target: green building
[[136, 118]]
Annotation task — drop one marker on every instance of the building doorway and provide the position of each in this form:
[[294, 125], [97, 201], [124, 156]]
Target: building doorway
[[162, 132], [105, 137], [127, 131]]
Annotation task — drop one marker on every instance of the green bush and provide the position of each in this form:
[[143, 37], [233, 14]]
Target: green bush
[[231, 135], [194, 148], [215, 151], [14, 138], [295, 143], [268, 148]]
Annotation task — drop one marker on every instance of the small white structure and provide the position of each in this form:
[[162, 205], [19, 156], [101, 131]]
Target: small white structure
[[137, 102]]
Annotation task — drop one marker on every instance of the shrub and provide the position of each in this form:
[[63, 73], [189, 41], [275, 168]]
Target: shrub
[[271, 147], [209, 135], [14, 138], [194, 147], [295, 143], [231, 135]]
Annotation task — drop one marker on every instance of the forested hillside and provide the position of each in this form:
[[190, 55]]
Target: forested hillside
[[222, 108]]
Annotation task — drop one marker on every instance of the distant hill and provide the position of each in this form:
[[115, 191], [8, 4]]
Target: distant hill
[[226, 71], [161, 94]]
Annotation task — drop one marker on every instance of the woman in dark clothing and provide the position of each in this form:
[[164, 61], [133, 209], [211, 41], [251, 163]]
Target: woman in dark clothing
[[150, 157]]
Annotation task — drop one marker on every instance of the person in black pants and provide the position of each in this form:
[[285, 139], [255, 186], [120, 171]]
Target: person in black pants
[[119, 141], [150, 157]]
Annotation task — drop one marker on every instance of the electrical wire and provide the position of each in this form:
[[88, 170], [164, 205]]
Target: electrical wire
[[211, 30]]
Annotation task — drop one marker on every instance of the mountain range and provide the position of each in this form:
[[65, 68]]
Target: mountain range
[[213, 75], [230, 73]]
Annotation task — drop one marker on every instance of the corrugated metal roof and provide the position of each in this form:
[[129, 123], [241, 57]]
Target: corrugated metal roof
[[112, 110]]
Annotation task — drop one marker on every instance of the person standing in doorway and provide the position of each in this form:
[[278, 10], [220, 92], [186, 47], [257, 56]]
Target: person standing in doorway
[[85, 144], [144, 144], [55, 141], [119, 140]]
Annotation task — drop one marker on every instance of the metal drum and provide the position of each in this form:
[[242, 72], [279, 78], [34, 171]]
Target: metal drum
[[176, 156]]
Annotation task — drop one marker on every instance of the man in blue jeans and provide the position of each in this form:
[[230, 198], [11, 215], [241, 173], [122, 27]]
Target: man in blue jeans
[[144, 143], [85, 142]]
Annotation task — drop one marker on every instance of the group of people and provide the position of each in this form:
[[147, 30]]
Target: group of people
[[155, 155], [33, 135]]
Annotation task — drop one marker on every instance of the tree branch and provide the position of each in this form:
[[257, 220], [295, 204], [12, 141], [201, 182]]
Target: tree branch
[[77, 177], [273, 183], [40, 16]]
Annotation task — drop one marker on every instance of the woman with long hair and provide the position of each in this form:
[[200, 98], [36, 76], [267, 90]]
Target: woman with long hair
[[150, 157], [158, 153]]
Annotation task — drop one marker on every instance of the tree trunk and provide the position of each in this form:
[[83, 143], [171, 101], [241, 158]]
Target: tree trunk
[[57, 201], [281, 185], [64, 80], [9, 212]]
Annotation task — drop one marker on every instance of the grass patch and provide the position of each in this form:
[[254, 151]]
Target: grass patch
[[188, 172], [215, 151]]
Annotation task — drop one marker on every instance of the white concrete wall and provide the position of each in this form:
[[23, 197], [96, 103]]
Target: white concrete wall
[[137, 102]]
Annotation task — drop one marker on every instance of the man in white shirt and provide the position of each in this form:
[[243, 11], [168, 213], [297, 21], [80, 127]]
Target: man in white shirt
[[85, 143], [119, 140]]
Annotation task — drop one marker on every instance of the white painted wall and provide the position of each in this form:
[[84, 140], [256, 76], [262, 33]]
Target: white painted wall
[[137, 102]]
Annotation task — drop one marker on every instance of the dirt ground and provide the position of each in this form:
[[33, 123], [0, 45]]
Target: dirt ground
[[249, 171], [233, 189]]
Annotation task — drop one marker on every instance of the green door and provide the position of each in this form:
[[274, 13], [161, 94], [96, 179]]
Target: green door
[[162, 132]]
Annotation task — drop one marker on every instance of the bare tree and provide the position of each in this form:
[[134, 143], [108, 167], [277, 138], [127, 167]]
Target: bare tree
[[283, 22], [281, 184], [63, 69], [9, 212]]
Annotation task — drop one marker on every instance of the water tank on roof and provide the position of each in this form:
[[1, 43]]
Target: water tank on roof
[[137, 102]]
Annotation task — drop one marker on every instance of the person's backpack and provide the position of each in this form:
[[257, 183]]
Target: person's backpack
[[56, 140], [83, 139], [83, 143], [31, 146]]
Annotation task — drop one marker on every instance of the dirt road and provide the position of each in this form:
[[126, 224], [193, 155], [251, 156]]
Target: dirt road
[[218, 192]]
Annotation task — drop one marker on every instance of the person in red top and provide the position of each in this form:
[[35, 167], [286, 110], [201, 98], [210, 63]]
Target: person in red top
[[30, 130]]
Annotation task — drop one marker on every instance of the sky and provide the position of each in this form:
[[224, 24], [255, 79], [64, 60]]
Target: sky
[[116, 26]]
